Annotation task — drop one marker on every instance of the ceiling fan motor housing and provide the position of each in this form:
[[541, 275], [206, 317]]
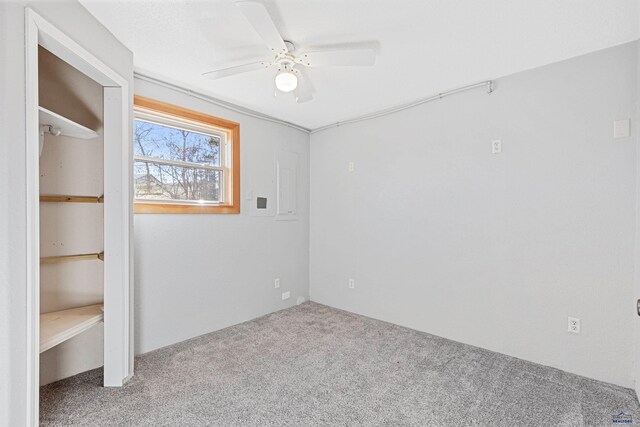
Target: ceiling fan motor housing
[[291, 47]]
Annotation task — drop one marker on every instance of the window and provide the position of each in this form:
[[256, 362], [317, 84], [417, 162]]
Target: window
[[184, 161]]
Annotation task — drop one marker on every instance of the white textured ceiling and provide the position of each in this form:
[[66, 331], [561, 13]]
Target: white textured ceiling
[[425, 46]]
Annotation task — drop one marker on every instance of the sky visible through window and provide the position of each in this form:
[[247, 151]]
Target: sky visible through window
[[154, 140], [161, 181]]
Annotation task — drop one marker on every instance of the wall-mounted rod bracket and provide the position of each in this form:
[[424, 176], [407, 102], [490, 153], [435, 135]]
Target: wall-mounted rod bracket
[[490, 86], [48, 129]]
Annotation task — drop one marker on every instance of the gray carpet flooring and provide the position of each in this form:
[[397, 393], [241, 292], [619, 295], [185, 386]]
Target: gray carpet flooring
[[312, 365]]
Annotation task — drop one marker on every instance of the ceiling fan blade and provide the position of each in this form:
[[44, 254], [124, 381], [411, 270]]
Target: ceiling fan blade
[[225, 72], [259, 18], [304, 91], [344, 58]]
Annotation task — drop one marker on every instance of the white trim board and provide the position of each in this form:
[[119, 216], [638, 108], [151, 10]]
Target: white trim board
[[64, 125]]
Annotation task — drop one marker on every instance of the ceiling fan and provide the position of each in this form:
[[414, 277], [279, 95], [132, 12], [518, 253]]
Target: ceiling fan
[[290, 65]]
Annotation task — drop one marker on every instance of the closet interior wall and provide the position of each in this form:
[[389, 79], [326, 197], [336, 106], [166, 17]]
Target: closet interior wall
[[71, 166]]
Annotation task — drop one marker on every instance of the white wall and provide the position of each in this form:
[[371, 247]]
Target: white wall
[[77, 23], [439, 234], [200, 273], [636, 290], [491, 250]]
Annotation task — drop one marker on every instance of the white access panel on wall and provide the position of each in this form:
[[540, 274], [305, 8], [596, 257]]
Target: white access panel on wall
[[287, 184]]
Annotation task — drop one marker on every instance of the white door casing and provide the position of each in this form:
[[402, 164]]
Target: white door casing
[[118, 346]]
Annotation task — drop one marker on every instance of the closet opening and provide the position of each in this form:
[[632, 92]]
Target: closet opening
[[79, 206], [71, 228]]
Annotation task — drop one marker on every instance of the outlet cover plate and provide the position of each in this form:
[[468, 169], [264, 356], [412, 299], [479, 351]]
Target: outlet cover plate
[[621, 128], [496, 146], [573, 325], [286, 295]]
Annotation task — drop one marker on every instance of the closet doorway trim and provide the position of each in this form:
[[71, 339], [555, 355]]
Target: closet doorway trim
[[117, 215]]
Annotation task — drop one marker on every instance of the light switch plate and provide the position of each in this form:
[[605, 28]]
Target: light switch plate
[[621, 128]]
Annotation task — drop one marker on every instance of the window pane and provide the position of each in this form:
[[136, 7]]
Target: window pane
[[155, 181], [153, 140]]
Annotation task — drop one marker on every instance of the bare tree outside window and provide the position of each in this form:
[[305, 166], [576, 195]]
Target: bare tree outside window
[[176, 164]]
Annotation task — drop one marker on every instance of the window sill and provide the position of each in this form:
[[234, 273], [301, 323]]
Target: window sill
[[176, 208]]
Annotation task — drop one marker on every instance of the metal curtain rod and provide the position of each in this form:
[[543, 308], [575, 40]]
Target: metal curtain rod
[[220, 103], [488, 84], [238, 109]]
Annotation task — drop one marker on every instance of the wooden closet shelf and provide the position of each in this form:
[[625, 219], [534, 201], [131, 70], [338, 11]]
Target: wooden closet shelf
[[59, 326], [71, 199], [70, 258]]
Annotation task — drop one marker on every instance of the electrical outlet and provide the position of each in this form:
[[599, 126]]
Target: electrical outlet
[[276, 283], [352, 166], [496, 146], [573, 325], [621, 128], [286, 295], [352, 284]]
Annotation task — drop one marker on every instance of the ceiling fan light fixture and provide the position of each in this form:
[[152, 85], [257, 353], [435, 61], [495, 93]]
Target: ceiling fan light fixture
[[285, 57], [286, 81]]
